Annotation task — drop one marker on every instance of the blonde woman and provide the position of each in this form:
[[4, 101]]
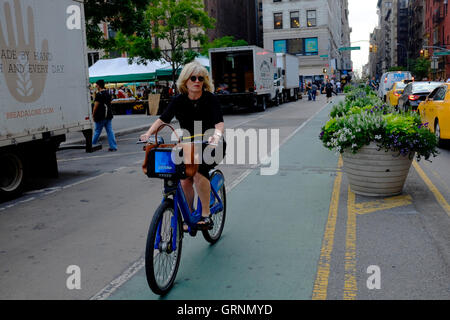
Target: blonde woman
[[195, 103]]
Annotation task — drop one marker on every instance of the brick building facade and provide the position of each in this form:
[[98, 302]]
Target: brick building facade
[[437, 35]]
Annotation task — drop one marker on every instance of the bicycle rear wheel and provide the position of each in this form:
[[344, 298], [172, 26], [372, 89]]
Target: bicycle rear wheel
[[161, 259], [212, 236]]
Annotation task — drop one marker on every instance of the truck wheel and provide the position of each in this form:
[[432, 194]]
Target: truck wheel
[[262, 105], [12, 176], [276, 101]]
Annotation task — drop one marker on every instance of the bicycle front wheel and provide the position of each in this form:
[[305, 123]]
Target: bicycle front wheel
[[212, 236], [162, 258]]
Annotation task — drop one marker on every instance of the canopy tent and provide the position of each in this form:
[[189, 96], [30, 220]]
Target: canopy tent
[[118, 70]]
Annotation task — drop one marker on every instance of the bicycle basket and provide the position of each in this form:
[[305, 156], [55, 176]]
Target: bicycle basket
[[158, 161], [161, 165]]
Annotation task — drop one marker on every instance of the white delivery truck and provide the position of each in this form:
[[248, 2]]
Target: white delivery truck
[[288, 77], [388, 79], [244, 76], [44, 86]]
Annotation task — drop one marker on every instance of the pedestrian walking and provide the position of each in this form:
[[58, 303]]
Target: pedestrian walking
[[314, 91], [309, 91], [329, 91], [338, 87], [103, 116]]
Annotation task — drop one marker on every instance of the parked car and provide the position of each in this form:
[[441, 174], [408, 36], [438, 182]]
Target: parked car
[[435, 111], [414, 93], [388, 79], [395, 93]]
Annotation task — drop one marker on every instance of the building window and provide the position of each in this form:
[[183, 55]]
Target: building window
[[311, 18], [279, 46], [299, 46], [93, 57], [311, 46], [295, 20], [295, 46], [278, 21]]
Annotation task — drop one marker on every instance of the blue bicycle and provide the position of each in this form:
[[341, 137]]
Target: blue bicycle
[[165, 235]]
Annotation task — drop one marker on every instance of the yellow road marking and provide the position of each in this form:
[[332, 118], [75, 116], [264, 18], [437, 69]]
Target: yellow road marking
[[446, 187], [350, 285], [384, 204], [437, 194], [323, 270]]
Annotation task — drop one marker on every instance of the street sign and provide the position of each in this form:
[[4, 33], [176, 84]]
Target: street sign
[[349, 48], [443, 53], [435, 64], [324, 56]]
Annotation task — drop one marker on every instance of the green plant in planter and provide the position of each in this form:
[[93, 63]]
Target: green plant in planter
[[353, 126]]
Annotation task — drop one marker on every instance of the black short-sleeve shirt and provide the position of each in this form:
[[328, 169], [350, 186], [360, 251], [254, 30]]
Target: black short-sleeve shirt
[[206, 109], [104, 110]]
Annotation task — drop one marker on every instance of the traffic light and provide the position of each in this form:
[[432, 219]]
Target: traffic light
[[424, 53], [371, 48]]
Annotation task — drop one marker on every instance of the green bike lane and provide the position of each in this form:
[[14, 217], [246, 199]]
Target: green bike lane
[[271, 244]]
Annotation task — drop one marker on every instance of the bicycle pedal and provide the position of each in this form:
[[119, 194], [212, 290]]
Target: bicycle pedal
[[193, 233]]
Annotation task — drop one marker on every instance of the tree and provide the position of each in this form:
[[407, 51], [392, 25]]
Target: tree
[[420, 68], [227, 41], [123, 15], [176, 22], [399, 68]]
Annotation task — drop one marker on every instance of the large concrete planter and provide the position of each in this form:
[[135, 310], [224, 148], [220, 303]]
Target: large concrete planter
[[376, 173]]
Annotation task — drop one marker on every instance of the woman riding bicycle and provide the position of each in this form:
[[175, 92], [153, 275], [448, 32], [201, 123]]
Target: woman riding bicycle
[[196, 103]]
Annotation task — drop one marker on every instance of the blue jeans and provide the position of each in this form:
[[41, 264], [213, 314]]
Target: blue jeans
[[109, 131]]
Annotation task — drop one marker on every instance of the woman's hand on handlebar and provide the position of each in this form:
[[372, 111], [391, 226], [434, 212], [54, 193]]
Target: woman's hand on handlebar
[[145, 137], [214, 140]]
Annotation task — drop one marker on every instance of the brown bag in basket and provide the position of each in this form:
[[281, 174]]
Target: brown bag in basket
[[188, 152]]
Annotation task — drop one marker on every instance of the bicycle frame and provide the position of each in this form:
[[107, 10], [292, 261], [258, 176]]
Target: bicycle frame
[[180, 203]]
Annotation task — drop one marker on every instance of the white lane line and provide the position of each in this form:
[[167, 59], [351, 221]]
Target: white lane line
[[116, 283], [109, 289]]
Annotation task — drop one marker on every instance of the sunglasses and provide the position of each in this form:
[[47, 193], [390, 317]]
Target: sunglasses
[[200, 78]]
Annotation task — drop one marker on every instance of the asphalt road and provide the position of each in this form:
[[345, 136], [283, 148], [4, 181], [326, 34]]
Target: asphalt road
[[281, 240]]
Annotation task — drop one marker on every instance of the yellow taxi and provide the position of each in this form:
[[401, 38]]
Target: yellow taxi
[[395, 93], [435, 111]]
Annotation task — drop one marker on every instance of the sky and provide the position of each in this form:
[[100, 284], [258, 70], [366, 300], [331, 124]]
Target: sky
[[363, 19]]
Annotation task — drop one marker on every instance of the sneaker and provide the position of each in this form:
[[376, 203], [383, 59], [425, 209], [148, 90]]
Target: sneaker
[[112, 150]]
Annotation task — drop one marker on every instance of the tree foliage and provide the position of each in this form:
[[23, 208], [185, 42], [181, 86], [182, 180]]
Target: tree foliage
[[420, 68], [123, 15], [397, 68], [175, 23], [227, 41]]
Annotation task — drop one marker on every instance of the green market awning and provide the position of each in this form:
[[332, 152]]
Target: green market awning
[[119, 70], [140, 77]]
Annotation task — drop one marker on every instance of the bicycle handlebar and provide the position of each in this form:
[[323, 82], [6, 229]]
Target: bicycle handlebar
[[194, 142]]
